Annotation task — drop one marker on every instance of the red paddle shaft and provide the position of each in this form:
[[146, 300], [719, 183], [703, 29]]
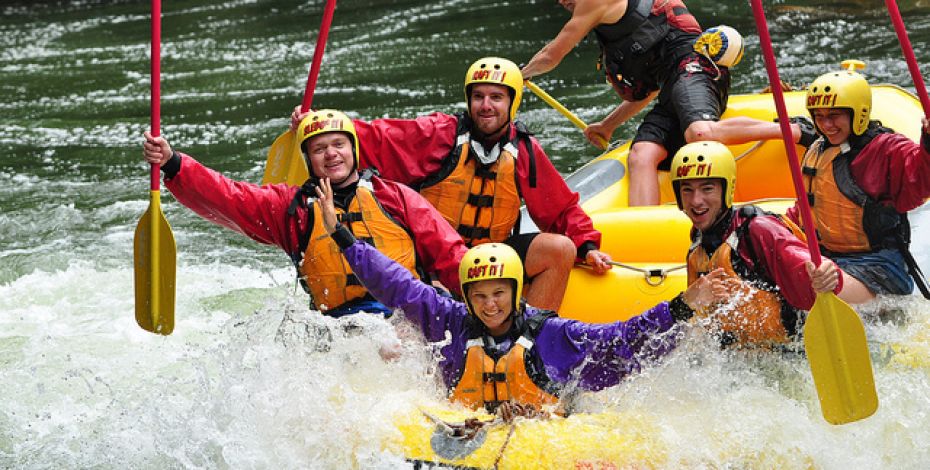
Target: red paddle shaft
[[769, 56], [909, 55], [156, 86], [318, 55]]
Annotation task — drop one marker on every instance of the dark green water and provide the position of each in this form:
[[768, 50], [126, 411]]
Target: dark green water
[[85, 388]]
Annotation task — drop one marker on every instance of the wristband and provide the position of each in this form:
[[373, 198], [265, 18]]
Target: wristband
[[342, 236], [679, 308], [172, 166]]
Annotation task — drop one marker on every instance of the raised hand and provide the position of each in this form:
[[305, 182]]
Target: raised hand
[[155, 149], [297, 116], [324, 194]]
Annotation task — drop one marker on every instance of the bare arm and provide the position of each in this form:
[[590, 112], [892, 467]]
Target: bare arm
[[622, 113], [586, 15]]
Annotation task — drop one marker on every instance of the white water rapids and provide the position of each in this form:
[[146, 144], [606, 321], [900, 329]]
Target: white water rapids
[[250, 378]]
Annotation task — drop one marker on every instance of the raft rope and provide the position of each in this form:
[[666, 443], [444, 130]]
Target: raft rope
[[500, 453], [506, 414], [750, 150], [650, 274]]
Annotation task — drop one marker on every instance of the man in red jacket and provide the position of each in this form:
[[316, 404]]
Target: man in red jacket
[[388, 215], [767, 269], [478, 168], [861, 180]]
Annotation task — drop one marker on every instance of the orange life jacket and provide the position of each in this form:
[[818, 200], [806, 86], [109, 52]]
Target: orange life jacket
[[758, 314], [838, 220], [837, 199], [847, 219], [323, 269], [482, 202], [488, 383]]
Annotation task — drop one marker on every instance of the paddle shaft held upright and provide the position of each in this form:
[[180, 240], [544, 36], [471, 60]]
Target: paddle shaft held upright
[[155, 214], [834, 337], [909, 55], [318, 55], [771, 68], [154, 251]]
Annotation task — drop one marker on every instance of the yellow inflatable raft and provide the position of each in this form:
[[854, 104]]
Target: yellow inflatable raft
[[435, 437], [651, 242]]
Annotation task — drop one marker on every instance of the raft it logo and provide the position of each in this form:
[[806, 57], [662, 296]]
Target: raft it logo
[[488, 76], [826, 100], [700, 169], [486, 271], [323, 124]]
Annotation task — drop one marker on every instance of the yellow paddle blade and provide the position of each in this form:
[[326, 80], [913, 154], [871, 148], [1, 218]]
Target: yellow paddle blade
[[154, 256], [834, 339], [285, 162]]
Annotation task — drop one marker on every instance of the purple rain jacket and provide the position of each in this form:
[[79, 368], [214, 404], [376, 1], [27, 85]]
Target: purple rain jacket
[[591, 356]]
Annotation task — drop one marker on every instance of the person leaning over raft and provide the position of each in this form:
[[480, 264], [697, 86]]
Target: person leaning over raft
[[391, 216], [861, 180], [769, 274], [650, 49], [496, 347], [478, 168]]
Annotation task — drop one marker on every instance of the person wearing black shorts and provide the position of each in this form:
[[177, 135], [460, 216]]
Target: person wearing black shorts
[[647, 52]]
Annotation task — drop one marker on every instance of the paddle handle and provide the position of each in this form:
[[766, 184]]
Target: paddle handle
[[318, 55], [156, 87], [909, 55], [768, 55], [558, 107]]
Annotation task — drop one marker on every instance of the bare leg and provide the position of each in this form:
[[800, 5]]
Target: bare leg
[[549, 260], [738, 130], [854, 291], [644, 174]]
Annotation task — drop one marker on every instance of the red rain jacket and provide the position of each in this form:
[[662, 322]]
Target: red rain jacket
[[409, 150], [260, 213]]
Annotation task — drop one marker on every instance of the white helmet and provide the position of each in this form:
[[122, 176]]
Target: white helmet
[[721, 44]]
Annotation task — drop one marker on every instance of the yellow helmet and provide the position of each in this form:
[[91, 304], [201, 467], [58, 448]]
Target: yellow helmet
[[843, 89], [496, 71], [325, 121], [721, 44], [701, 160], [491, 261]]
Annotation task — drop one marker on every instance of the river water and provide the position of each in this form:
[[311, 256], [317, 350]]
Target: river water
[[250, 378]]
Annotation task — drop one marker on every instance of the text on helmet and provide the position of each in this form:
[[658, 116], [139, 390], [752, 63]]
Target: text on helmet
[[484, 74], [334, 124], [700, 169], [826, 100], [485, 270]]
